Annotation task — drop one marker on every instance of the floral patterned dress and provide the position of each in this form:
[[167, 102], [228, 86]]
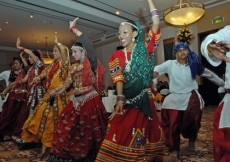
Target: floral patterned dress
[[81, 127], [39, 127]]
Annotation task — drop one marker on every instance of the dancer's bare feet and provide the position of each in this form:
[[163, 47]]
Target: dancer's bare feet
[[40, 155]]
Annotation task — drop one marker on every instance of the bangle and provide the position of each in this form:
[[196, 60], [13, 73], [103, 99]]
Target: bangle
[[153, 13], [121, 98], [72, 29], [22, 49], [209, 53]]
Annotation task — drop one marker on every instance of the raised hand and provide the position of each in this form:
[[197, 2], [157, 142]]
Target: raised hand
[[18, 43], [55, 39], [73, 23], [21, 54]]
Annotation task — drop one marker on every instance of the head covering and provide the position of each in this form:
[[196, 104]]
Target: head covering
[[41, 56], [193, 59], [80, 47], [11, 63]]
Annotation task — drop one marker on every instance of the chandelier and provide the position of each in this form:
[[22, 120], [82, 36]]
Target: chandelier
[[47, 60], [184, 12]]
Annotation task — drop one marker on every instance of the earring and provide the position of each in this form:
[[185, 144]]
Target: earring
[[133, 39]]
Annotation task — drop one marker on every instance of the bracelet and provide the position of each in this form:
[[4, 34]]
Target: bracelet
[[72, 29], [120, 102], [121, 95], [121, 98], [153, 13], [209, 53], [22, 49]]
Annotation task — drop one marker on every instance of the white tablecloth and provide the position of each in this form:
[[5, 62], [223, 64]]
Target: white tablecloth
[[109, 102]]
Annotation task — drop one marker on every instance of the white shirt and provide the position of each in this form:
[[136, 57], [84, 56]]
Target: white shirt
[[181, 84], [223, 34], [4, 76]]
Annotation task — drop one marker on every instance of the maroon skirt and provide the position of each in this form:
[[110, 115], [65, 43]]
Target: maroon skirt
[[133, 137], [10, 112], [31, 102], [79, 131]]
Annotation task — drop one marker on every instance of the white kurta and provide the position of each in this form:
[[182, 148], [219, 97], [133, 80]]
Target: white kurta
[[181, 84], [4, 76], [223, 34]]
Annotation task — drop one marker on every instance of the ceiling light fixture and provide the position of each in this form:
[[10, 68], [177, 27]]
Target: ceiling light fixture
[[184, 12], [6, 22], [117, 12], [31, 15]]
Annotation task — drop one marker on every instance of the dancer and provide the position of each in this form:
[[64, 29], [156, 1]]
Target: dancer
[[35, 91], [39, 127], [13, 105], [216, 48], [82, 124], [182, 108], [134, 132]]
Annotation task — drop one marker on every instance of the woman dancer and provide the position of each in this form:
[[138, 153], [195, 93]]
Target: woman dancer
[[35, 91], [82, 124], [39, 127], [12, 107], [134, 132]]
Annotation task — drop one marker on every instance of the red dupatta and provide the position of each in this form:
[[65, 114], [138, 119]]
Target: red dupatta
[[55, 67]]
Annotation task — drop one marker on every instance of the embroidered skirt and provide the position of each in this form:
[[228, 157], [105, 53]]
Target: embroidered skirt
[[132, 137], [80, 129]]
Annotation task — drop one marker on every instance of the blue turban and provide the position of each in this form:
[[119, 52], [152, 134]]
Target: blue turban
[[193, 59]]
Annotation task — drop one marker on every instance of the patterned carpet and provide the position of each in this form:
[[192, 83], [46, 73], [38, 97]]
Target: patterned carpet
[[203, 153]]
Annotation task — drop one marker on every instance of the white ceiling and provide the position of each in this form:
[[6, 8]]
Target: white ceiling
[[97, 17]]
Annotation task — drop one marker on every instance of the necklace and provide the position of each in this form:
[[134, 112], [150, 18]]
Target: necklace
[[128, 62]]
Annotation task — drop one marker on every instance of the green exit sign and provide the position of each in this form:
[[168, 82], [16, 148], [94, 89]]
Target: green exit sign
[[218, 19]]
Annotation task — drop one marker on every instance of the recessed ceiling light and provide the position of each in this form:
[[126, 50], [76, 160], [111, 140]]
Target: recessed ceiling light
[[117, 12], [55, 32], [0, 29], [6, 22], [31, 15]]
